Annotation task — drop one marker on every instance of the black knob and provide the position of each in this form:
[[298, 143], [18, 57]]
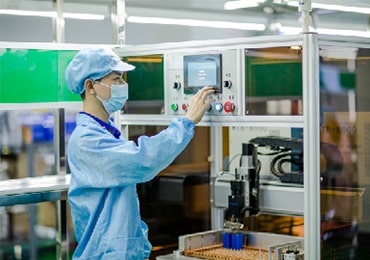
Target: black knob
[[176, 85], [227, 83]]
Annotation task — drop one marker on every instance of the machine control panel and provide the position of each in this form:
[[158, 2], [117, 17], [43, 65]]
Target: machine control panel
[[189, 72]]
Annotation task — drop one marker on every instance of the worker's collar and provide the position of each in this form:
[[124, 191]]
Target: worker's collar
[[111, 129]]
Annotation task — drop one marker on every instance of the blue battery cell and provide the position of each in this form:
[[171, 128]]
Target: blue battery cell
[[226, 240], [237, 241]]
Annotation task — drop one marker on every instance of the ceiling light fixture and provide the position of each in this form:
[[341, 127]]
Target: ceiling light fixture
[[196, 22], [342, 8], [233, 5], [326, 31], [51, 14], [342, 32]]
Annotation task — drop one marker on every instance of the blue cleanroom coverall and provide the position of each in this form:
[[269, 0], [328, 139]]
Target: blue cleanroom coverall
[[102, 193]]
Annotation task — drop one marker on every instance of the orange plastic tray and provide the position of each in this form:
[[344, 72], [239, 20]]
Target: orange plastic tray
[[217, 252]]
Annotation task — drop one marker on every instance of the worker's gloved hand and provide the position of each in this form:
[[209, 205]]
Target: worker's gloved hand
[[198, 104]]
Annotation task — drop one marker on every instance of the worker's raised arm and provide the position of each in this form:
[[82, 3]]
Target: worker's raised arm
[[199, 104]]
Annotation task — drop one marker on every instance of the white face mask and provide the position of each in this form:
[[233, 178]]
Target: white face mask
[[118, 97]]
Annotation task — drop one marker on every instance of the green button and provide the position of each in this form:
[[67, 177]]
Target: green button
[[174, 107]]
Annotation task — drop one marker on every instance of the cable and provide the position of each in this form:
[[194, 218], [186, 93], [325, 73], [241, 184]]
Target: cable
[[233, 158], [274, 153], [274, 161], [276, 165]]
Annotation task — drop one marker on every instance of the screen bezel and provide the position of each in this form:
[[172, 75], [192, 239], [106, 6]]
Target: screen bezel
[[188, 59]]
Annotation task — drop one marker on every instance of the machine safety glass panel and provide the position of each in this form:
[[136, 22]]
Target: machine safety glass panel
[[273, 81], [146, 85], [34, 76], [260, 188], [183, 187], [275, 154], [345, 133]]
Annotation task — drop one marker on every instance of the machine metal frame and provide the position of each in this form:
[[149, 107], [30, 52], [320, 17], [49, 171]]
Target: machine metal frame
[[216, 123], [309, 121]]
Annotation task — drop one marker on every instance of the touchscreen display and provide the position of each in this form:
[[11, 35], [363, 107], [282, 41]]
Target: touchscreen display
[[200, 71]]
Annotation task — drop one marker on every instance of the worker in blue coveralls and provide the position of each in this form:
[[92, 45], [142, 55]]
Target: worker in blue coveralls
[[105, 167]]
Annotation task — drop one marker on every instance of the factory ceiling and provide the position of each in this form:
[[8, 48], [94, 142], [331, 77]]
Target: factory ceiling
[[272, 13]]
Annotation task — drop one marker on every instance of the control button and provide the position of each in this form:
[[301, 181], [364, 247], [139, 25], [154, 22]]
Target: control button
[[229, 107], [174, 107], [218, 107], [209, 108], [176, 85], [228, 83], [184, 106]]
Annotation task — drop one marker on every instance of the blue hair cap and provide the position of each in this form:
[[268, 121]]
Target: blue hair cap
[[92, 63]]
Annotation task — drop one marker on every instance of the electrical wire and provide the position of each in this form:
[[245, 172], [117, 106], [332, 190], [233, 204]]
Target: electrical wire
[[276, 165], [232, 159]]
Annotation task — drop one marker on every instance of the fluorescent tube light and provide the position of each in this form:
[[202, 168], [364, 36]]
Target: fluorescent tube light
[[233, 5], [342, 8], [195, 22], [355, 33], [327, 31], [84, 16], [51, 14], [290, 30], [27, 13]]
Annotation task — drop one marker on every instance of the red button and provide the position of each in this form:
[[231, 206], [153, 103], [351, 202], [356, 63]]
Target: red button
[[184, 106], [229, 107]]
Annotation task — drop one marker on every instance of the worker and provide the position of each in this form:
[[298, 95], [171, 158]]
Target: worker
[[105, 167]]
